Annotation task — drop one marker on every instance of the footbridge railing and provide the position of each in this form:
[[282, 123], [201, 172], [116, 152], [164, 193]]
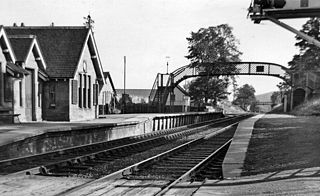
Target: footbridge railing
[[165, 83]]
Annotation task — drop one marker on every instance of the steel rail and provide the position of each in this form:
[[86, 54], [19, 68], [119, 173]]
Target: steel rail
[[189, 174], [123, 173], [45, 169], [168, 134]]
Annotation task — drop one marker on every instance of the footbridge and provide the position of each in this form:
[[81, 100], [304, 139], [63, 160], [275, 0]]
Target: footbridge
[[165, 83]]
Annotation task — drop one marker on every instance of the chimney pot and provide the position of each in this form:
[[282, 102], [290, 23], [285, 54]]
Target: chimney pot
[[14, 24], [22, 24]]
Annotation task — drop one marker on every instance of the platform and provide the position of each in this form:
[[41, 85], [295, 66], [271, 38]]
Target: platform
[[234, 159], [304, 179], [25, 139], [10, 133]]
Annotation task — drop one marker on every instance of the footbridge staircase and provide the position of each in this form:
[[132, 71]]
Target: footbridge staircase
[[165, 83]]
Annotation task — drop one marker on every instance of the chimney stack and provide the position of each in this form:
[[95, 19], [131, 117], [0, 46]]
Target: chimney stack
[[52, 24], [15, 24], [22, 24]]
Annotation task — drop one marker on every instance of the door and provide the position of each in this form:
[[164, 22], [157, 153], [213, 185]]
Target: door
[[30, 96]]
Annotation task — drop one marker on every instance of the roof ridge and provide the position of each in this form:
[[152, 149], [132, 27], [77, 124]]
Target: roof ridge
[[46, 27], [21, 36]]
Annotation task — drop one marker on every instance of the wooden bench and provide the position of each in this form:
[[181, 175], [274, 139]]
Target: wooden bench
[[12, 117]]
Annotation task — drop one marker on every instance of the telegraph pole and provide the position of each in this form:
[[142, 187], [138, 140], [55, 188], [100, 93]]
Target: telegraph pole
[[124, 84]]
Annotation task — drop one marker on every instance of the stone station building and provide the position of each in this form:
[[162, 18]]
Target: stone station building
[[51, 73]]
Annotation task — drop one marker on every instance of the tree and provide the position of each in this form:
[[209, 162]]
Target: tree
[[309, 56], [245, 96], [213, 44], [209, 48], [208, 90]]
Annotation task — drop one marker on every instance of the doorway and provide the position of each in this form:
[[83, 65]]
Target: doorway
[[30, 96]]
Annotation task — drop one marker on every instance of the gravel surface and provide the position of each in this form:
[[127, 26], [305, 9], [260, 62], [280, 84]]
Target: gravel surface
[[41, 185], [110, 167], [281, 142]]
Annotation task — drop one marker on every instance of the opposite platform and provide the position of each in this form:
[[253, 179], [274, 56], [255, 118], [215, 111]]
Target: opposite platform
[[25, 139], [10, 133]]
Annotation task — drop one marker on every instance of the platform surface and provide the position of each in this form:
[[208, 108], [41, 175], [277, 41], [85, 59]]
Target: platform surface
[[301, 181], [235, 157], [287, 182], [14, 132]]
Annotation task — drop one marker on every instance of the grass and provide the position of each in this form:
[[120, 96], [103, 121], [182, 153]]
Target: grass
[[281, 142], [308, 108]]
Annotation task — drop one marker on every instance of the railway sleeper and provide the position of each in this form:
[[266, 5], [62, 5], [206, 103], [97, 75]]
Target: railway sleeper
[[186, 164], [192, 157], [210, 175], [162, 172], [57, 174], [185, 160], [211, 171], [64, 171], [214, 165], [149, 177], [104, 159], [171, 168], [189, 163], [96, 162], [79, 167], [197, 153]]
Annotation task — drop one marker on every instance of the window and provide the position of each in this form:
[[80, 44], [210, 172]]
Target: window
[[8, 88], [52, 94], [103, 98], [304, 3], [80, 91], [74, 89], [260, 69], [20, 93], [39, 93], [89, 91], [95, 94], [84, 90]]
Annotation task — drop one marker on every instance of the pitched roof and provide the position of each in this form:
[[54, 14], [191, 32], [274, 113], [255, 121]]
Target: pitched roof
[[108, 76], [5, 44], [21, 46], [61, 46]]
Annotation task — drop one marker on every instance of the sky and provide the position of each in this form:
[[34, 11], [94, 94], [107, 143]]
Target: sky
[[147, 32]]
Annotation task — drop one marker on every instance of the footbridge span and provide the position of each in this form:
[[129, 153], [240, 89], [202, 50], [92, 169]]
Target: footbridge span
[[165, 83]]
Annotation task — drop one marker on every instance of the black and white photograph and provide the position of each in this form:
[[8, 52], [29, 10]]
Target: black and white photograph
[[159, 97]]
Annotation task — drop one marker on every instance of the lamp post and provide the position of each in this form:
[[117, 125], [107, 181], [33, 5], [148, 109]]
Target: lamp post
[[167, 57]]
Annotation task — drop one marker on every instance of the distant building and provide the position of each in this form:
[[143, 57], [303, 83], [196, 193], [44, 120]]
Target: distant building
[[306, 85], [52, 73], [137, 95], [181, 99]]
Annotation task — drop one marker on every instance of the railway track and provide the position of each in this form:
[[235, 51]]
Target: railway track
[[196, 160], [73, 160]]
